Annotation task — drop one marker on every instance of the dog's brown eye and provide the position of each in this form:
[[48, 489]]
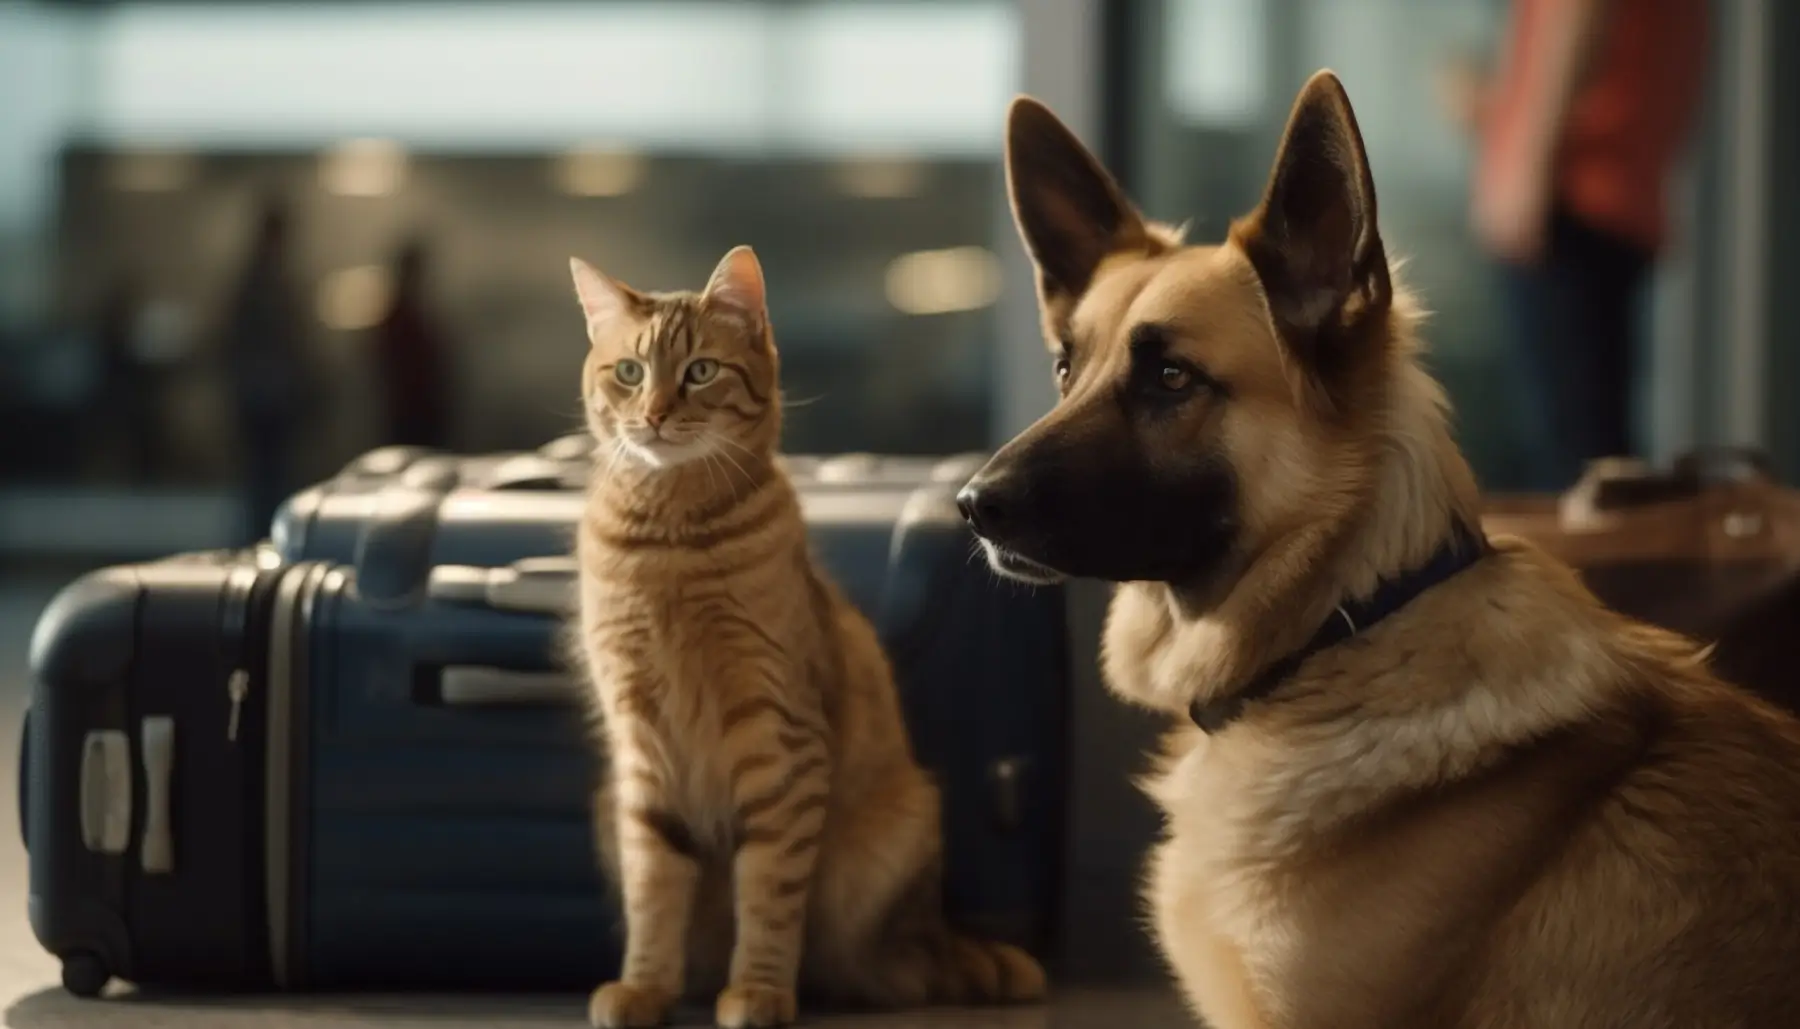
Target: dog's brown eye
[[1062, 369], [1175, 378]]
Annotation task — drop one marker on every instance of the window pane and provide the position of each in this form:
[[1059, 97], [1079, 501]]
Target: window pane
[[854, 145], [1212, 81]]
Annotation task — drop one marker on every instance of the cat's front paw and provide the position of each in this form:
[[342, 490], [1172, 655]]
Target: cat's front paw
[[628, 1006], [748, 1005]]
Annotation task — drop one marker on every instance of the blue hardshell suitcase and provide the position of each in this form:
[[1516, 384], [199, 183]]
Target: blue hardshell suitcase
[[364, 768], [491, 509]]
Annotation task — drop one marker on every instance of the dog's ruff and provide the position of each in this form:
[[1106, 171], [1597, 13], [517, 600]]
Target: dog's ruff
[[1465, 547]]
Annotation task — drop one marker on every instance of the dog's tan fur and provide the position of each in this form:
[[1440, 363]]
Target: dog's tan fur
[[1502, 806]]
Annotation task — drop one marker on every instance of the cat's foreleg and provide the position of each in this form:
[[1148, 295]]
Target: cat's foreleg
[[781, 793], [659, 874]]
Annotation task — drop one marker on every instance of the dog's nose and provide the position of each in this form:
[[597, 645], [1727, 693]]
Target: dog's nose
[[981, 507]]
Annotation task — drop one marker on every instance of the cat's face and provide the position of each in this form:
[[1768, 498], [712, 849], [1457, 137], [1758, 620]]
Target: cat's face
[[678, 377]]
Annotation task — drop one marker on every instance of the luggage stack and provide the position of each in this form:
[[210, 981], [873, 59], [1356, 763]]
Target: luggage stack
[[349, 757], [1708, 546]]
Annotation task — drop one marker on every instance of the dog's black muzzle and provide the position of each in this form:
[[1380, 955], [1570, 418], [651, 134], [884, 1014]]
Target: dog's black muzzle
[[1094, 508]]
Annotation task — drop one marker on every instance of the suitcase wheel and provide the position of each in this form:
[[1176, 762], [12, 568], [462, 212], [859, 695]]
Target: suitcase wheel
[[84, 974]]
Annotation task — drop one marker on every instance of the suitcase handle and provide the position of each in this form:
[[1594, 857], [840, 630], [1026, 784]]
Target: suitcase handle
[[536, 585], [24, 778], [1723, 464], [394, 549], [484, 686], [1621, 484], [156, 847], [104, 794], [536, 472]]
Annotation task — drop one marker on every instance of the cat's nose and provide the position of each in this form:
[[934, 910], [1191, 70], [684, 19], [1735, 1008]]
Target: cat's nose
[[655, 419]]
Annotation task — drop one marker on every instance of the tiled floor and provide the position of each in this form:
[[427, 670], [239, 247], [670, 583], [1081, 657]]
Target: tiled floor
[[31, 998]]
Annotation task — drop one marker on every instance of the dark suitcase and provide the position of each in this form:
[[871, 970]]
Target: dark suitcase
[[242, 771], [564, 463], [492, 509], [1708, 546]]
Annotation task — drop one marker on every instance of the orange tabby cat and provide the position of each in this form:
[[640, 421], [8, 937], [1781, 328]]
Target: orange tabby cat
[[762, 795]]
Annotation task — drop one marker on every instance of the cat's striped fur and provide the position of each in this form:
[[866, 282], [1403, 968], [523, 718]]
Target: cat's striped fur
[[761, 788]]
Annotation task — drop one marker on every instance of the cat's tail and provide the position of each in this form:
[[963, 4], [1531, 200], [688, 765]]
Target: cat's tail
[[951, 968], [978, 971]]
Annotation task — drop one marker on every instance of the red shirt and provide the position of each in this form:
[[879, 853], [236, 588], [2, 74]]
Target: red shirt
[[1630, 116]]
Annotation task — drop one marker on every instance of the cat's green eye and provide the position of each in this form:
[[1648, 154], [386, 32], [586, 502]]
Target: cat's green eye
[[702, 371], [629, 372]]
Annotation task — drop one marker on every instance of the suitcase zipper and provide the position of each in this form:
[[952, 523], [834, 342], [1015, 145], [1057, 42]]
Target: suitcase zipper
[[237, 687]]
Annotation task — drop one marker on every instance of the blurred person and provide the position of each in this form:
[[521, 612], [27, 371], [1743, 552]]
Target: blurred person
[[129, 392], [266, 365], [1577, 133], [410, 355]]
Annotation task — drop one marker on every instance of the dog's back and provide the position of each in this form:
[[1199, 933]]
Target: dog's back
[[1676, 901]]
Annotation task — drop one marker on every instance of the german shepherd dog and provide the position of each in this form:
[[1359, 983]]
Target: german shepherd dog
[[1430, 782]]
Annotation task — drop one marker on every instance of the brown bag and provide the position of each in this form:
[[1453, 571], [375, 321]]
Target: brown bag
[[1709, 547]]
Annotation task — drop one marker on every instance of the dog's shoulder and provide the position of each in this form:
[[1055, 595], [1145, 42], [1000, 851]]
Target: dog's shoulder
[[1680, 871]]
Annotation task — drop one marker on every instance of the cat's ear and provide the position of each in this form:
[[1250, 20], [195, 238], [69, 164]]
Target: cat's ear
[[736, 287], [605, 302]]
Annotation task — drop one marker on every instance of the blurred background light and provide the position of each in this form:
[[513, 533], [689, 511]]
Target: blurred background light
[[352, 299], [943, 281], [596, 171], [879, 178], [1214, 56], [363, 168], [151, 171]]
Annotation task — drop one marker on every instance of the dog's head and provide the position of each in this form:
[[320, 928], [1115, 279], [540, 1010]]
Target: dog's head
[[1212, 397]]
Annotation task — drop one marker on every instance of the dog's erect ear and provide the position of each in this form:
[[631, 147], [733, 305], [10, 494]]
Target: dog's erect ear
[[1070, 212], [1314, 239]]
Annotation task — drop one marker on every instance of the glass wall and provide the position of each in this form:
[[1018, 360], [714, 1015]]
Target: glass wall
[[432, 167], [1211, 82]]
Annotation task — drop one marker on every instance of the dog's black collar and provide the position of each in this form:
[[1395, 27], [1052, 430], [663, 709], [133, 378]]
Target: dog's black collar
[[1464, 547]]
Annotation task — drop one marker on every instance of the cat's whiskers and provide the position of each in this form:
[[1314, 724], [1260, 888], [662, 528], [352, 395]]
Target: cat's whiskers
[[618, 452], [714, 454], [706, 461], [717, 438]]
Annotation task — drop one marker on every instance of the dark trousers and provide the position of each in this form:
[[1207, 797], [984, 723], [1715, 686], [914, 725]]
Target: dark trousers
[[1573, 318], [266, 482]]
